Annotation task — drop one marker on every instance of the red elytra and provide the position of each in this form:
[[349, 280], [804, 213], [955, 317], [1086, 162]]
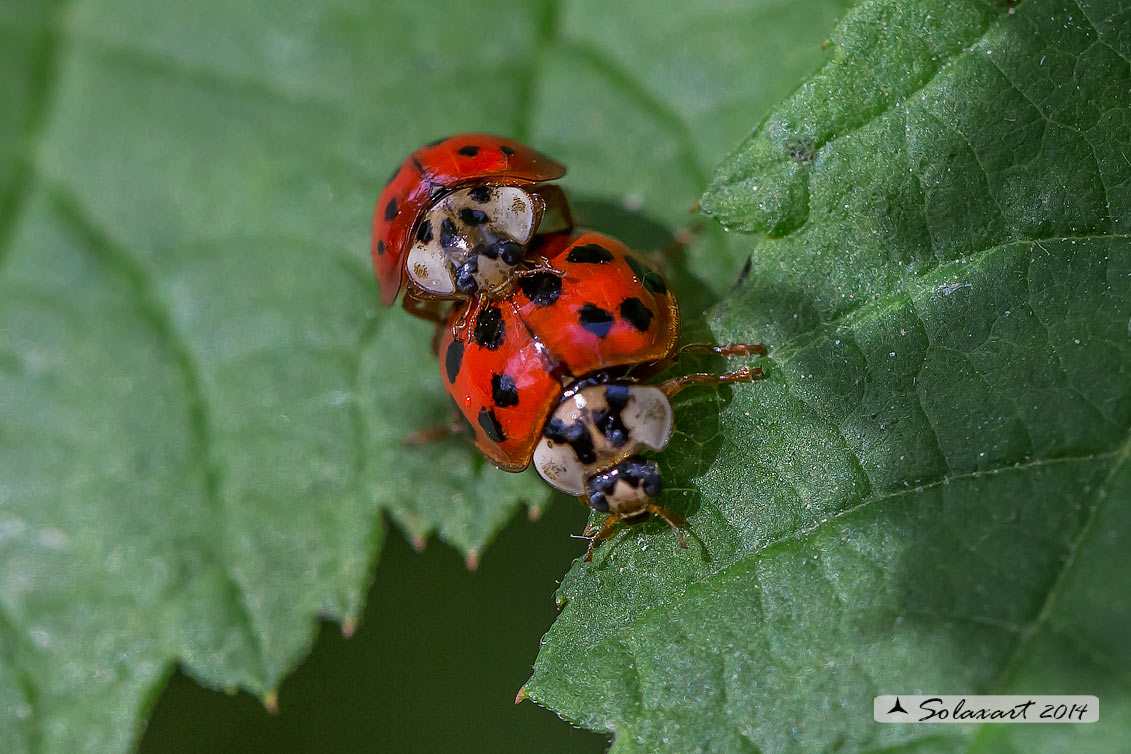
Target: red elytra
[[432, 171], [505, 362]]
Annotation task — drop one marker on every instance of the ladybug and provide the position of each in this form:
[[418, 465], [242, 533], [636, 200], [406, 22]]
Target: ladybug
[[455, 218], [554, 374]]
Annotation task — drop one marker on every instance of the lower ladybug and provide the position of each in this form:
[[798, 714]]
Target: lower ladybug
[[554, 374]]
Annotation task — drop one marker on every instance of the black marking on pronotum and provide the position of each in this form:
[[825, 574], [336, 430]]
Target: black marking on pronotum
[[633, 311], [490, 424], [490, 330], [575, 435], [542, 288], [465, 275], [608, 420], [473, 216], [590, 253], [437, 142], [469, 151], [481, 194], [380, 248], [506, 150], [391, 209], [453, 359], [595, 319], [424, 232], [651, 279], [503, 391], [448, 234], [420, 168], [509, 252]]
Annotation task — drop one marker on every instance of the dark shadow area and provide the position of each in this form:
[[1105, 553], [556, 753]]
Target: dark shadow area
[[434, 665]]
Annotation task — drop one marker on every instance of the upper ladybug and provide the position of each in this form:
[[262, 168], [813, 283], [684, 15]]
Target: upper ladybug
[[456, 216]]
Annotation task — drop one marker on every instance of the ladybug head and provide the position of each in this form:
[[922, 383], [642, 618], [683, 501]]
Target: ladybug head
[[590, 446], [431, 175], [627, 490], [472, 241]]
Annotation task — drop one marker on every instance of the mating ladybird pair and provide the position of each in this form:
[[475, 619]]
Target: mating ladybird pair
[[547, 334]]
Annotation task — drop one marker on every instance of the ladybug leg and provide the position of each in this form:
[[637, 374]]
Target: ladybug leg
[[430, 435], [540, 266], [437, 336], [676, 384], [469, 312], [429, 310], [677, 247], [673, 520], [603, 533], [667, 255], [730, 349]]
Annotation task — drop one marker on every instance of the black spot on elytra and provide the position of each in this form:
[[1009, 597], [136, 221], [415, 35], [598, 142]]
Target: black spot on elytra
[[590, 253], [633, 311], [473, 216], [481, 194], [391, 209], [651, 279], [595, 319], [453, 359], [575, 435], [503, 391], [448, 234], [506, 150], [424, 232], [489, 328], [380, 248], [419, 168], [542, 288], [469, 150], [490, 424]]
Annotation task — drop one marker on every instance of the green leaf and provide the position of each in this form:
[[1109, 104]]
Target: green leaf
[[931, 491], [201, 404]]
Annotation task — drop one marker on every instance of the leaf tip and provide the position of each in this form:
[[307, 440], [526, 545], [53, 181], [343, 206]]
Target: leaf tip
[[271, 702], [520, 696], [472, 559], [349, 625], [534, 512], [418, 543]]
